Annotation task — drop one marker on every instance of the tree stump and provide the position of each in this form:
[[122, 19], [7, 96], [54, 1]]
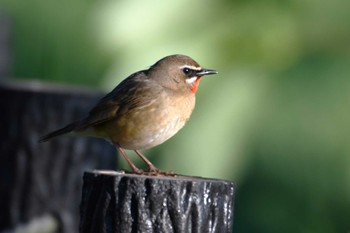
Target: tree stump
[[42, 182], [119, 202]]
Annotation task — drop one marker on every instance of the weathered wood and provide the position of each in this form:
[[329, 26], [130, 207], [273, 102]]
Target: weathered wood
[[44, 179], [118, 202]]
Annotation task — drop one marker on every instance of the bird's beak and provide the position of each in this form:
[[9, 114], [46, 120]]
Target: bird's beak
[[206, 72]]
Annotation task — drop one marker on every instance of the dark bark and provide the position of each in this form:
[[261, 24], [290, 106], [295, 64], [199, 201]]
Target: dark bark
[[45, 179], [118, 202]]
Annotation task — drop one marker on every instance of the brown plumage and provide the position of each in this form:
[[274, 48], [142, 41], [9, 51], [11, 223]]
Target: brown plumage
[[145, 109]]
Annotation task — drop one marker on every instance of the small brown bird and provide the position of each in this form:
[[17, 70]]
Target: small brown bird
[[145, 109]]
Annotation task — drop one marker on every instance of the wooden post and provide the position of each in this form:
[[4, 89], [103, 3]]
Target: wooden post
[[42, 182], [119, 202]]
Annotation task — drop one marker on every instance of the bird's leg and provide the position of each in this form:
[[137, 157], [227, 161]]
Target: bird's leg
[[151, 167], [133, 167]]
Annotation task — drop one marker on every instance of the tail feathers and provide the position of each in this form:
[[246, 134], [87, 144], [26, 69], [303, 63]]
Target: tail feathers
[[68, 129]]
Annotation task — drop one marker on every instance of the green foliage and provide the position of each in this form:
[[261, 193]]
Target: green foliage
[[51, 40]]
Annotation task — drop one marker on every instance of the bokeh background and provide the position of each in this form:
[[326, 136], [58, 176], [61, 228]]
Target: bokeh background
[[275, 120]]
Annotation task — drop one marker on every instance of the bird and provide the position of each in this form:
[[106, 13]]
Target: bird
[[144, 110]]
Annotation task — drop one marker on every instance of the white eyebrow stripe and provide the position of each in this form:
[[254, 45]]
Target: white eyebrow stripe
[[191, 67]]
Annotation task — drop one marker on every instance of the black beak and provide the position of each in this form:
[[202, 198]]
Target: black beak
[[206, 72]]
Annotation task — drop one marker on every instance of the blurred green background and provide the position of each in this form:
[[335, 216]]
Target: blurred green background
[[276, 120]]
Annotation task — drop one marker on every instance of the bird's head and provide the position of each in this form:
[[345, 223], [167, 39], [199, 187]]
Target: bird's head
[[179, 73]]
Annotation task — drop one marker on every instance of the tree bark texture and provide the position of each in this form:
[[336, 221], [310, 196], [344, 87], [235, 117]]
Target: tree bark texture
[[118, 202], [44, 179]]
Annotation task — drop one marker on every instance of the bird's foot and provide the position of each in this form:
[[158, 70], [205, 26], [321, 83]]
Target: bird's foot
[[153, 171], [157, 172], [137, 171]]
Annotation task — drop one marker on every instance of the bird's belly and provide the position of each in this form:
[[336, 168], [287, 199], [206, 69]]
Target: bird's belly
[[154, 135], [141, 131], [148, 125]]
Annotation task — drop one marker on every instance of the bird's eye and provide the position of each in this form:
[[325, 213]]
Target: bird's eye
[[186, 70]]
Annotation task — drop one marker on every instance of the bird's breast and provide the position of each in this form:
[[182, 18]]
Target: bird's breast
[[146, 127]]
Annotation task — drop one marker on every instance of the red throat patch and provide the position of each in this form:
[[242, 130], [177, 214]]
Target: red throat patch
[[194, 86]]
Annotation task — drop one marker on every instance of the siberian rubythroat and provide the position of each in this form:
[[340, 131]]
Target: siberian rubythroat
[[145, 109]]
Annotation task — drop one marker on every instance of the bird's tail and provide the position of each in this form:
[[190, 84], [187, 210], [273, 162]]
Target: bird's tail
[[65, 130]]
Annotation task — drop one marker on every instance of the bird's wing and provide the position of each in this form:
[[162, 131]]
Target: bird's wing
[[137, 91]]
